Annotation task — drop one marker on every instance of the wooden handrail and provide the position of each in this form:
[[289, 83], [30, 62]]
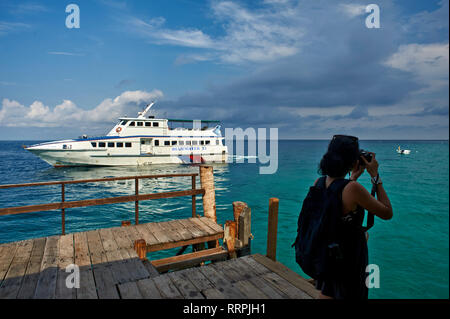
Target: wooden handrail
[[106, 179], [97, 201], [101, 201]]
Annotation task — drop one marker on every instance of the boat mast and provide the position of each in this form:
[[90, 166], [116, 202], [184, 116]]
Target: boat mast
[[142, 114]]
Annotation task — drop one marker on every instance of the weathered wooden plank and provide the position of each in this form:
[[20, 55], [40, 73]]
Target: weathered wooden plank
[[221, 283], [133, 265], [143, 233], [284, 286], [287, 274], [253, 264], [187, 288], [189, 225], [168, 229], [104, 279], [233, 275], [148, 289], [87, 288], [213, 293], [184, 233], [108, 242], [166, 287], [197, 278], [212, 224], [160, 235], [267, 289], [150, 268], [8, 252], [66, 258], [118, 268], [33, 269], [129, 290], [46, 285], [121, 237], [201, 225], [249, 290], [13, 279]]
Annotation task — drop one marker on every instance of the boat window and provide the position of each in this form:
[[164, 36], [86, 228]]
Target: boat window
[[127, 144], [64, 146], [102, 144], [202, 142], [181, 142], [166, 143], [124, 123], [140, 124], [217, 142], [174, 142], [194, 142], [155, 124], [156, 142], [94, 144], [142, 142], [131, 124], [188, 142], [110, 144], [207, 142], [119, 145], [148, 123]]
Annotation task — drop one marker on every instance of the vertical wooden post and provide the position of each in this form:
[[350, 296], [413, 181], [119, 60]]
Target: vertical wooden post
[[141, 248], [63, 211], [272, 231], [242, 215], [136, 203], [238, 207], [209, 199], [194, 214], [230, 237]]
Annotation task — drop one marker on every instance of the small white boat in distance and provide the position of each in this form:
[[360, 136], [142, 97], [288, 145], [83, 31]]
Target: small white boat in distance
[[141, 140], [400, 151]]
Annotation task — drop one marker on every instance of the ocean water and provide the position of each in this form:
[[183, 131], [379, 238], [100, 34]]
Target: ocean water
[[411, 250]]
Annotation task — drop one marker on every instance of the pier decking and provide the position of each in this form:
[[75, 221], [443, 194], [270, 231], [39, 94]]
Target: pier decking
[[112, 263], [110, 267]]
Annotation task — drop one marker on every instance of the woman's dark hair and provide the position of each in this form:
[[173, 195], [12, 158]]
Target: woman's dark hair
[[343, 152]]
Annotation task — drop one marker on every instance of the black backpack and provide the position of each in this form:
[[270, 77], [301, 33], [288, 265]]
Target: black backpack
[[317, 249]]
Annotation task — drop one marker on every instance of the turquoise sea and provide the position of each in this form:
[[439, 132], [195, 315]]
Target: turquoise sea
[[411, 250]]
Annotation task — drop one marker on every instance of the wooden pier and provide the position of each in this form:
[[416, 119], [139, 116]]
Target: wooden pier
[[112, 262]]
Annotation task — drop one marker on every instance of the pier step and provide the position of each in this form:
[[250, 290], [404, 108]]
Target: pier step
[[189, 260]]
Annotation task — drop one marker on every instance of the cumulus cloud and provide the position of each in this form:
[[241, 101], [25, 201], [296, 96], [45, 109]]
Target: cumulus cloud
[[68, 114]]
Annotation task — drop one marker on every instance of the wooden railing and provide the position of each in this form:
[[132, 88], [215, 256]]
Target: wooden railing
[[101, 201]]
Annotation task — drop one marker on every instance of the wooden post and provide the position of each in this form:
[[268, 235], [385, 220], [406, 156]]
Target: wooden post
[[230, 237], [193, 199], [126, 223], [63, 211], [136, 203], [209, 199], [272, 231], [141, 248], [244, 231], [238, 207]]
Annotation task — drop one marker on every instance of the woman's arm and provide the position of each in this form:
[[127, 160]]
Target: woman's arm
[[381, 207]]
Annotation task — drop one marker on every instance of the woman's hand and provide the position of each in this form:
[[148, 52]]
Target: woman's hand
[[372, 166], [357, 171]]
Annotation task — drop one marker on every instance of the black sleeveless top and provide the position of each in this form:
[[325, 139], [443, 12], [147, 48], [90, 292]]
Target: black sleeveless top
[[350, 280]]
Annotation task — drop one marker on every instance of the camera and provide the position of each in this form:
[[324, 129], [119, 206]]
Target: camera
[[366, 155]]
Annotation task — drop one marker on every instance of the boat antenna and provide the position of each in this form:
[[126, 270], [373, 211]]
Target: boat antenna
[[142, 114]]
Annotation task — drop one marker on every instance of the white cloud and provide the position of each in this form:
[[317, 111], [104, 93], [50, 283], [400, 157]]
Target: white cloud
[[8, 27], [429, 63], [353, 9], [259, 35], [14, 114], [65, 53]]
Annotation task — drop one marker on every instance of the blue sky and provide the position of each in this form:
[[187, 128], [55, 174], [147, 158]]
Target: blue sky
[[310, 68]]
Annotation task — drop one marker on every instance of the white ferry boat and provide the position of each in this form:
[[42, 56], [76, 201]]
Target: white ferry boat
[[143, 140]]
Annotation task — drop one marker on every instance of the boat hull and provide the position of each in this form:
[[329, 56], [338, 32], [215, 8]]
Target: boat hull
[[83, 158]]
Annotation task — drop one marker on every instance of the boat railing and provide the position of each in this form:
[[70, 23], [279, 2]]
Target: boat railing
[[63, 204]]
